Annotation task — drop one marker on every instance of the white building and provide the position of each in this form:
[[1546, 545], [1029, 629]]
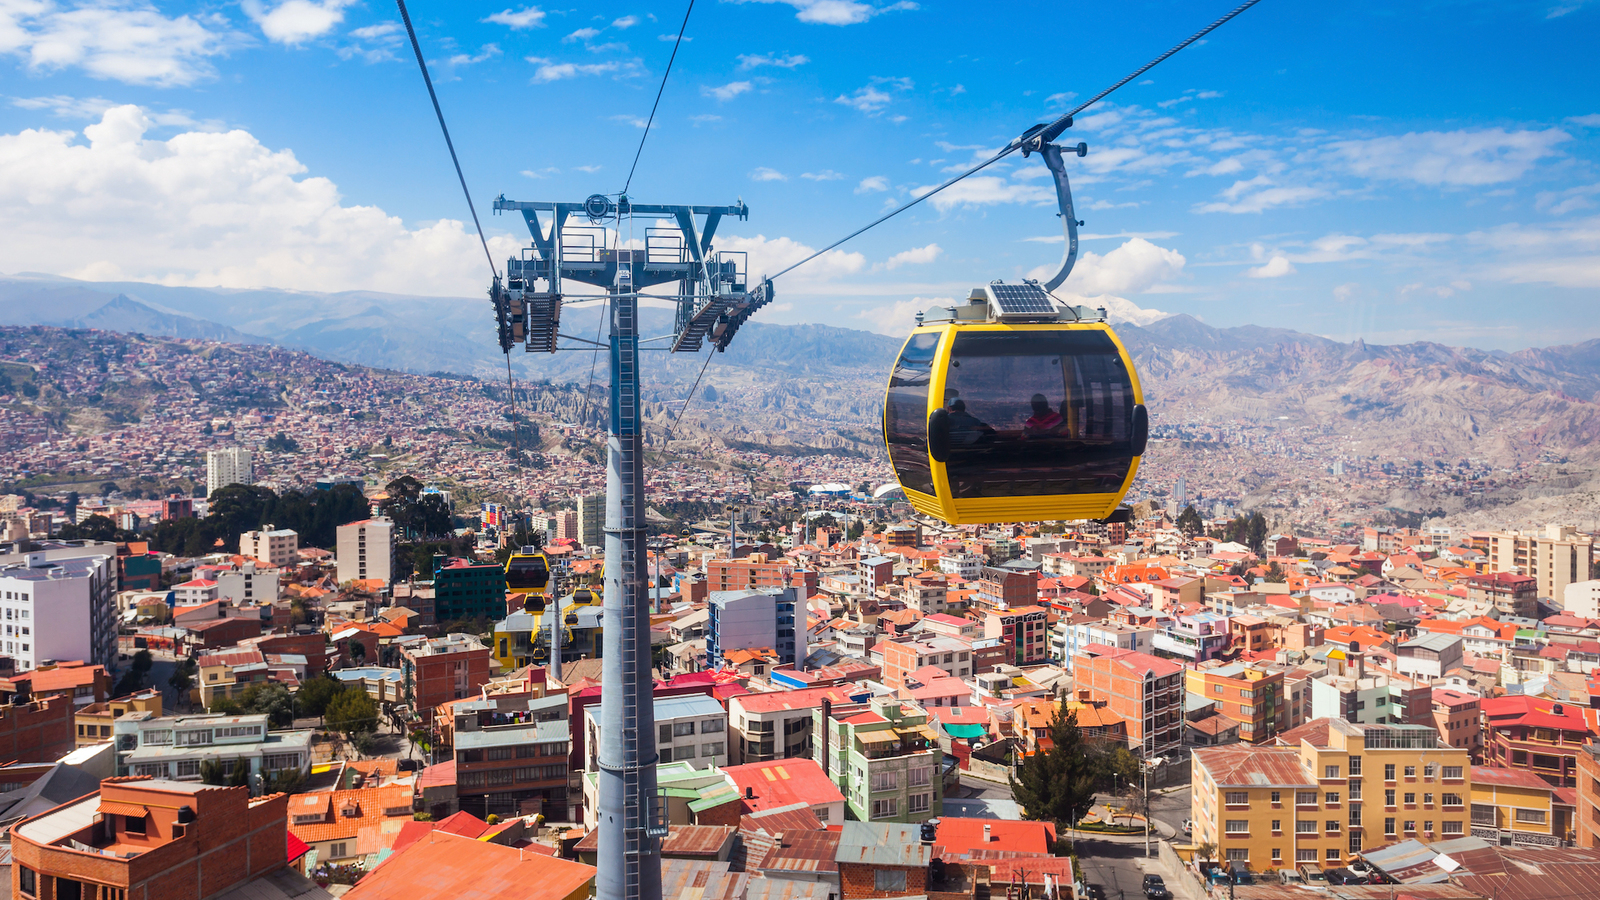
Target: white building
[[248, 584], [966, 565], [59, 602], [230, 465], [1068, 638], [273, 546], [366, 550], [691, 728], [175, 746], [1582, 599]]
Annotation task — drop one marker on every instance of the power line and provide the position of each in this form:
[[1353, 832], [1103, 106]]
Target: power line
[[659, 92], [1047, 132], [690, 399]]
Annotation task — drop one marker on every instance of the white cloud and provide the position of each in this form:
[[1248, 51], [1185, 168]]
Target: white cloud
[[541, 173], [526, 17], [1565, 254], [296, 21], [1260, 194], [213, 209], [67, 107], [763, 173], [824, 175], [1060, 99], [868, 100], [582, 34], [588, 169], [872, 184], [629, 118], [900, 317], [375, 32], [625, 22], [132, 43], [914, 257], [1133, 268], [1559, 203], [768, 256], [550, 70], [673, 37], [725, 92], [981, 190], [488, 52], [751, 61], [958, 90], [1590, 121], [1564, 7], [1276, 267], [836, 12], [704, 118], [1454, 158]]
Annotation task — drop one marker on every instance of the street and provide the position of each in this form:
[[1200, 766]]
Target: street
[[1117, 868]]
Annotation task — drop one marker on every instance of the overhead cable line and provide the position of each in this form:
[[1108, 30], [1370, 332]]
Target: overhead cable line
[[659, 92], [1049, 132], [511, 389]]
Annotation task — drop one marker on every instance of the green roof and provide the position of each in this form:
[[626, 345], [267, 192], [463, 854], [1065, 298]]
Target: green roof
[[965, 730]]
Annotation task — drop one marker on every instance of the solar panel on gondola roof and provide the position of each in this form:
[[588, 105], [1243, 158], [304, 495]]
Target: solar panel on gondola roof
[[1021, 299]]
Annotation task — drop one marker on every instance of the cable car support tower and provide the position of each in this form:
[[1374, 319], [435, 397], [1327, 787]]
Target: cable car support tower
[[713, 300]]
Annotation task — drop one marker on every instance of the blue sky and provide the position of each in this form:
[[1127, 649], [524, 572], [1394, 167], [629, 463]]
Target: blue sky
[[1395, 171]]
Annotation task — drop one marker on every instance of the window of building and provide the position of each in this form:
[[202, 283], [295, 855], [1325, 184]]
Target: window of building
[[1277, 824], [889, 879], [67, 889], [1411, 799], [1305, 798], [1451, 772], [712, 726], [1450, 799], [1450, 827], [28, 881], [1277, 854], [134, 824], [885, 781], [1388, 771], [887, 808], [1411, 771], [679, 729], [1427, 799], [1237, 826], [1411, 826], [1388, 826], [1388, 797], [918, 803], [337, 851], [919, 776], [1530, 816], [1330, 771], [1238, 854], [1429, 769], [1332, 825], [1305, 826], [1236, 798], [1355, 766], [715, 748], [1332, 854], [1306, 856], [1278, 797], [1330, 797]]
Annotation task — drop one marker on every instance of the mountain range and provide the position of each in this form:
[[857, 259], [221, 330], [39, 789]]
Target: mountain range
[[1415, 400]]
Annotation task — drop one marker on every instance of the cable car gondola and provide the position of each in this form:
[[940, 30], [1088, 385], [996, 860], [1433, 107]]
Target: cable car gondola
[[1012, 408], [528, 571]]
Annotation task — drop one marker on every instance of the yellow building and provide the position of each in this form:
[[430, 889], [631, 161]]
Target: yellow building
[[1327, 790], [1518, 806], [95, 720], [1556, 558]]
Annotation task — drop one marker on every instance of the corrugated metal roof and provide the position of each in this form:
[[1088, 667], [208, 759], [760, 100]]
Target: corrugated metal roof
[[881, 844], [1246, 766]]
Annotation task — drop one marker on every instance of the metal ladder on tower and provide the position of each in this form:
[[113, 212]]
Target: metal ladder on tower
[[635, 809]]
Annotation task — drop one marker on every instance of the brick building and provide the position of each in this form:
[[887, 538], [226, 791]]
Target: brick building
[[879, 859], [1145, 691], [464, 589], [1024, 629], [757, 571], [442, 669], [152, 840], [39, 730], [511, 756], [1457, 716], [1588, 813], [1251, 695]]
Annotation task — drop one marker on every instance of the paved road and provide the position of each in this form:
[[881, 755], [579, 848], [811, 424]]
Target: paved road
[[1117, 868], [977, 788]]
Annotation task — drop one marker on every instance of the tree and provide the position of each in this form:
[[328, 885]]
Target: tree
[[183, 678], [1275, 574], [94, 528], [1056, 784], [351, 711], [1189, 523], [281, 443], [1256, 532], [316, 694]]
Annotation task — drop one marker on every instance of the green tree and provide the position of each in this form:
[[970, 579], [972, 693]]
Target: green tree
[[1189, 523], [352, 711], [1056, 784], [94, 528], [1256, 532], [1275, 574], [315, 695]]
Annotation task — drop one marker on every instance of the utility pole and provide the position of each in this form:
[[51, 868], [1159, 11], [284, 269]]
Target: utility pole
[[713, 302]]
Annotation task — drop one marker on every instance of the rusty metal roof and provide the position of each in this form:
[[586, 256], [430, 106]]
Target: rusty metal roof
[[1247, 766], [795, 851]]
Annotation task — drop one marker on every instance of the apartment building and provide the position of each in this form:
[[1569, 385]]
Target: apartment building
[[436, 670], [1554, 558], [511, 756], [173, 747], [1144, 690], [777, 724], [1541, 736], [900, 658], [884, 758], [1025, 629], [1458, 717], [156, 838], [1516, 808], [690, 728], [927, 593], [1071, 635], [756, 572], [752, 619], [1509, 593], [467, 589], [1250, 694], [274, 546], [365, 550], [1428, 656], [1329, 789], [963, 565], [59, 602], [591, 519], [1006, 587], [247, 584], [94, 722], [1587, 817], [1348, 692], [229, 465]]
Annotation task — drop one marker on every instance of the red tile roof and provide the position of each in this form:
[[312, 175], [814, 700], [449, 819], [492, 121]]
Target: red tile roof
[[784, 782], [960, 836], [447, 865]]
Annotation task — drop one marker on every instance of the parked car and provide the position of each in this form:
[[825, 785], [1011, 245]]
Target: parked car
[[1188, 827], [1241, 873], [1094, 892], [1344, 876], [1155, 888], [1291, 877], [1314, 875]]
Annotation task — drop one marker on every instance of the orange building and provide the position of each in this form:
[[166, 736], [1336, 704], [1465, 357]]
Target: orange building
[[1144, 691], [757, 571], [1249, 694]]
